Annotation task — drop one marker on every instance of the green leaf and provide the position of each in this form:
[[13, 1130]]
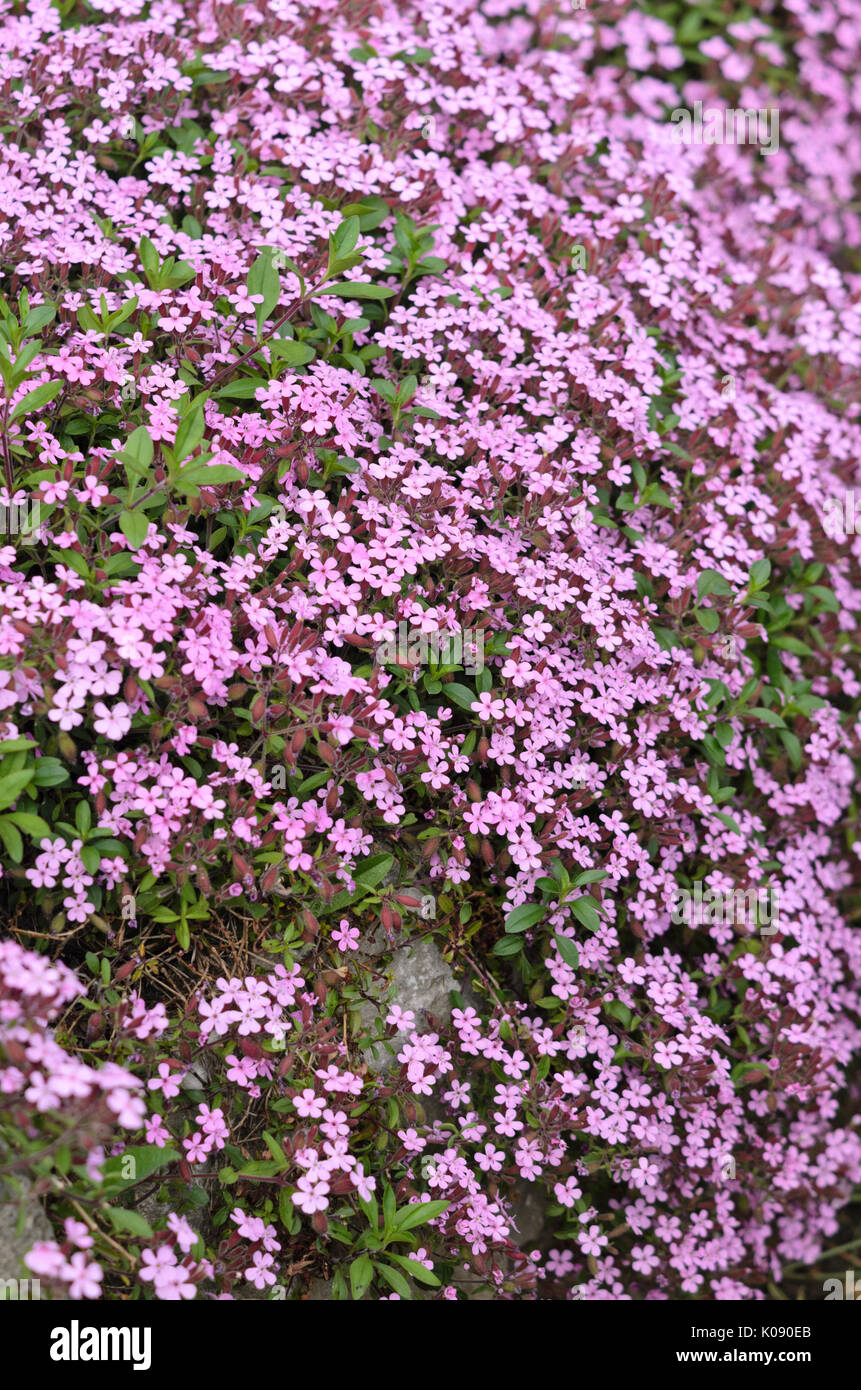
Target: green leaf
[[34, 400], [343, 241], [589, 876], [138, 453], [373, 870], [146, 1159], [508, 946], [134, 526], [616, 1009], [263, 279], [353, 289], [768, 716], [417, 1214], [90, 858], [792, 744], [190, 431], [208, 475], [72, 560], [710, 582], [567, 950], [242, 390], [416, 1270], [759, 573], [274, 1148], [585, 911], [11, 839], [289, 351], [37, 319], [825, 596], [87, 320], [132, 1221], [708, 620], [389, 1204], [385, 389], [261, 1168], [361, 1274], [148, 256], [791, 644], [285, 1208], [12, 785], [50, 772], [394, 1278], [372, 1212], [524, 917], [459, 695]]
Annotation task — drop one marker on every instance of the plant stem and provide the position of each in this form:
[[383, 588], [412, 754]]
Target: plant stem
[[231, 367]]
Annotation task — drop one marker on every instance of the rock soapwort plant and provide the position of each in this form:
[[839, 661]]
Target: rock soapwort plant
[[418, 481]]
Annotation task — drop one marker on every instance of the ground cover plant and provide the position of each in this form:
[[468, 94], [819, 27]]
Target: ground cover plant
[[429, 495]]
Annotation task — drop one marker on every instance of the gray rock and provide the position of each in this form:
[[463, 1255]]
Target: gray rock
[[421, 982], [14, 1245], [320, 1291], [527, 1209]]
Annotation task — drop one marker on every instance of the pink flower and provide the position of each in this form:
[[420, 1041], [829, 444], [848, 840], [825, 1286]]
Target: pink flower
[[113, 723], [84, 1280]]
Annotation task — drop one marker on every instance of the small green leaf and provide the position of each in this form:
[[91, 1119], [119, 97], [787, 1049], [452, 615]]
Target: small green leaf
[[711, 582], [34, 400], [242, 390], [792, 744], [361, 1274], [459, 695], [768, 716], [394, 1279], [343, 241], [416, 1270], [373, 870], [207, 475], [760, 571], [508, 946], [190, 431], [11, 839], [353, 289], [274, 1148], [708, 620], [524, 917], [134, 526], [263, 279], [417, 1214], [585, 911], [30, 824], [132, 1221], [567, 950], [12, 785]]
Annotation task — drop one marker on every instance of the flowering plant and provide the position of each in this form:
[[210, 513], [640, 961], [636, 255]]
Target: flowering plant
[[416, 466]]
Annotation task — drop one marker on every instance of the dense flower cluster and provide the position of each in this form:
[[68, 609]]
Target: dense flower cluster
[[39, 1076], [320, 319]]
